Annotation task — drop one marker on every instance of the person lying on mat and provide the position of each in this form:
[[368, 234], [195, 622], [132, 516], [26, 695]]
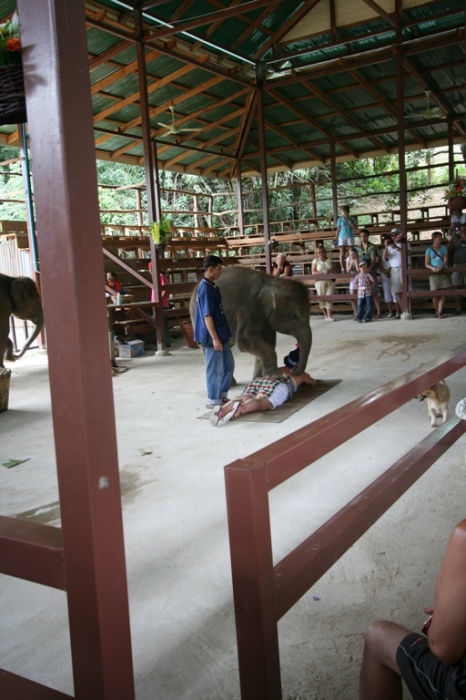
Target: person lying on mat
[[262, 394]]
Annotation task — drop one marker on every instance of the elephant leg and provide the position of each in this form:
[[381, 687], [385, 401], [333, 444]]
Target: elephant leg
[[4, 340], [26, 304], [9, 350], [257, 368], [259, 341]]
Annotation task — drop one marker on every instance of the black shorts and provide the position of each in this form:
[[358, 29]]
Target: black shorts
[[426, 677]]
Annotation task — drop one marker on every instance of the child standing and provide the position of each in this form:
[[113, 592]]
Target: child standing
[[364, 283], [352, 268], [346, 228]]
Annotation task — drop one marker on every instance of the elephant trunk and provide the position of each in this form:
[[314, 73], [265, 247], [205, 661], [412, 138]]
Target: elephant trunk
[[38, 322], [304, 339]]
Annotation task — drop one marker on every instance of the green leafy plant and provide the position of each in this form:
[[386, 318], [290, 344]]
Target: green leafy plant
[[161, 230], [10, 43]]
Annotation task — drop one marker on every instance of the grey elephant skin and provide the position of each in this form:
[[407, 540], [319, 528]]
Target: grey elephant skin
[[257, 307], [18, 296]]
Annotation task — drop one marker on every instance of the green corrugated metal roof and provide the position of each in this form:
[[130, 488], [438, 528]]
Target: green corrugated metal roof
[[314, 88]]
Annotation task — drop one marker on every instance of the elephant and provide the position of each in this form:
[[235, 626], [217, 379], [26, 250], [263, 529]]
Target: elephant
[[18, 296], [257, 306]]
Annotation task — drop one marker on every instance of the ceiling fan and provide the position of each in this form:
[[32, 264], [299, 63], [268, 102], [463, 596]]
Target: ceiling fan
[[172, 129], [429, 112]]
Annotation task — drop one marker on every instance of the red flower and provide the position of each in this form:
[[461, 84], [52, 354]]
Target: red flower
[[13, 44]]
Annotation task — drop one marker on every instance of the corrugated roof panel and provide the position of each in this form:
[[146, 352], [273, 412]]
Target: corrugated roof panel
[[340, 91]]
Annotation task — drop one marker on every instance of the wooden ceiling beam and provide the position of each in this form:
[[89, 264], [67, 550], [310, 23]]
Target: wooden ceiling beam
[[174, 52], [382, 13], [120, 72], [379, 99], [305, 8], [131, 99], [114, 50], [346, 116], [206, 19], [259, 24]]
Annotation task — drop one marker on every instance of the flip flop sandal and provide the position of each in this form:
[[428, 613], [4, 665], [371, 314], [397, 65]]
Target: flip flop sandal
[[236, 410], [216, 416]]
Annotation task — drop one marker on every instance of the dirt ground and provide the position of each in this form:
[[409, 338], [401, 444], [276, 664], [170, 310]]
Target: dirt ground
[[173, 500]]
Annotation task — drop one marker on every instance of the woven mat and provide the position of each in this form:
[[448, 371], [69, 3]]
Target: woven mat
[[303, 396]]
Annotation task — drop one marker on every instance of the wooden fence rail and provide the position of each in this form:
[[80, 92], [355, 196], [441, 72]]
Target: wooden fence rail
[[263, 593]]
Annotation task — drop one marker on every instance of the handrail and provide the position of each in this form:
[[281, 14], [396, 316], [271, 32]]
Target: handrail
[[264, 592]]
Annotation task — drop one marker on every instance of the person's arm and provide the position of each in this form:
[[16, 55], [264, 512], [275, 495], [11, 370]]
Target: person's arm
[[427, 261], [307, 379], [209, 322], [313, 267], [287, 270], [299, 379], [276, 271], [445, 258], [447, 632]]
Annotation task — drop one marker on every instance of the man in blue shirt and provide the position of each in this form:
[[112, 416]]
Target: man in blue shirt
[[213, 335]]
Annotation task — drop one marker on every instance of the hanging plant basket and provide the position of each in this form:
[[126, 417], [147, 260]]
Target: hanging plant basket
[[12, 100], [456, 203]]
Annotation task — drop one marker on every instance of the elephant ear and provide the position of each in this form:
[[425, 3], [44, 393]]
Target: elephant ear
[[24, 296]]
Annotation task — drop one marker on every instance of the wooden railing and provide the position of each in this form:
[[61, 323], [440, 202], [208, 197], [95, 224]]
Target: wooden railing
[[264, 592]]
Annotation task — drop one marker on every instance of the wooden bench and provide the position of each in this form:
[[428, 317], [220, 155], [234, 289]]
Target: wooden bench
[[182, 275]]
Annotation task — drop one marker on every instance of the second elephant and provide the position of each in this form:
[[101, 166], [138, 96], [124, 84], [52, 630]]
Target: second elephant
[[257, 307], [18, 296]]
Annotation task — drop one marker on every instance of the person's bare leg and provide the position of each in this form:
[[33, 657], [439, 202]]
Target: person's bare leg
[[458, 301], [380, 677], [377, 303], [253, 406], [342, 258], [228, 407], [441, 304]]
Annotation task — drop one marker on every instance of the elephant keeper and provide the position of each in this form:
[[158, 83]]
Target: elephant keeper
[[213, 335]]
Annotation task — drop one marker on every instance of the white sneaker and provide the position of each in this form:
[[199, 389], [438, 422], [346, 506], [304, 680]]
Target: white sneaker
[[331, 319]]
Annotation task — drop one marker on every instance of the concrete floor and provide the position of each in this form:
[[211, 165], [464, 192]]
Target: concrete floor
[[173, 499]]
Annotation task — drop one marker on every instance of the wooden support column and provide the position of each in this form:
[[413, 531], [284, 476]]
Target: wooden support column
[[265, 187], [313, 200], [152, 178], [239, 199], [139, 207], [451, 153], [405, 302], [56, 71], [333, 175]]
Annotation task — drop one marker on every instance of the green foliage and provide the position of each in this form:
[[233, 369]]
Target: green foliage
[[366, 185]]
